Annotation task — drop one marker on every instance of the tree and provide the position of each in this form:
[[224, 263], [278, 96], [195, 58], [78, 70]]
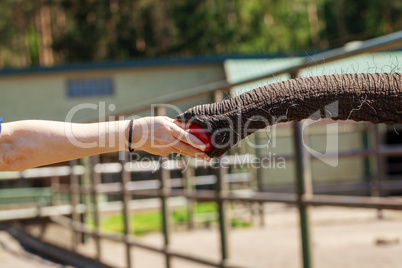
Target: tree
[[46, 32]]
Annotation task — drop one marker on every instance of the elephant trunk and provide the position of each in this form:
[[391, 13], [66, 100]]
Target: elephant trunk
[[374, 98]]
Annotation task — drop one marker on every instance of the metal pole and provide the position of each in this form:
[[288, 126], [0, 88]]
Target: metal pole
[[259, 176], [367, 162], [222, 189], [55, 185], [188, 176], [165, 189], [303, 183], [125, 178], [74, 199], [96, 180], [304, 188], [379, 166], [86, 182]]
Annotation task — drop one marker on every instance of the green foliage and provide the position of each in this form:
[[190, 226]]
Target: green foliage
[[143, 222], [150, 221], [239, 223], [33, 40], [89, 30]]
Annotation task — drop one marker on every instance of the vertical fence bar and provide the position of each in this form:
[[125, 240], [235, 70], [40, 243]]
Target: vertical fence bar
[[188, 176], [86, 182], [74, 199], [165, 189], [55, 185], [303, 188], [303, 183], [96, 180], [378, 177], [259, 177], [367, 161], [125, 178], [222, 188]]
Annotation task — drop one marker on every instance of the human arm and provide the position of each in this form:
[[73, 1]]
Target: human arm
[[31, 143]]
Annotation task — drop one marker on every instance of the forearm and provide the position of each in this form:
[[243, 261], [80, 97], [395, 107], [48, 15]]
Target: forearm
[[26, 144]]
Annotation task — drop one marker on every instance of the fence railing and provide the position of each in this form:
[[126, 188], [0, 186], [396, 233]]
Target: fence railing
[[161, 187]]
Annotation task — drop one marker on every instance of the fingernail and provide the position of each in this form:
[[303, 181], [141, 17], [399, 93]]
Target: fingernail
[[207, 158], [203, 147]]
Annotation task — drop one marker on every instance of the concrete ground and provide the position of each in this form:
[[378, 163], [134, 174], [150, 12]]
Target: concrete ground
[[340, 238]]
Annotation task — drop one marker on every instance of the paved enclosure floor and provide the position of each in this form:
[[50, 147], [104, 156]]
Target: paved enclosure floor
[[340, 238]]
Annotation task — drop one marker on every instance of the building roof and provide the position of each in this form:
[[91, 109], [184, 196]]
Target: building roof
[[135, 63]]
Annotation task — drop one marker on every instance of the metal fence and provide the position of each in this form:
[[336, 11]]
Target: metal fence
[[162, 188]]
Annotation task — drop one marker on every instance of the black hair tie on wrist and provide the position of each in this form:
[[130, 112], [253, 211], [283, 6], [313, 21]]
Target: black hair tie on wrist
[[130, 134]]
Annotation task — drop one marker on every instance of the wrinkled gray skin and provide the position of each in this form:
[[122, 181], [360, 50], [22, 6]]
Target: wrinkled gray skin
[[375, 98]]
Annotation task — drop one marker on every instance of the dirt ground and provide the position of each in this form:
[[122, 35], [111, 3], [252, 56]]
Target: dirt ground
[[12, 255], [340, 238]]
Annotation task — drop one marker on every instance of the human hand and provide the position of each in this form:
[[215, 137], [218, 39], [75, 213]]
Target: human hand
[[162, 135]]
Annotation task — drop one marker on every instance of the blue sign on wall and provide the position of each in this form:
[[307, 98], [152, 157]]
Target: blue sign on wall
[[90, 87]]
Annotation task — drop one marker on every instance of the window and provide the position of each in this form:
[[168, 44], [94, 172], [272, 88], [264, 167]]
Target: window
[[90, 87]]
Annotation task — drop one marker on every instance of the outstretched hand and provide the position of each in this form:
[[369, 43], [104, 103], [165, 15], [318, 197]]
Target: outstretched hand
[[162, 135]]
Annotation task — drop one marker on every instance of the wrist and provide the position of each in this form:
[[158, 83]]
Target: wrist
[[130, 136], [131, 130]]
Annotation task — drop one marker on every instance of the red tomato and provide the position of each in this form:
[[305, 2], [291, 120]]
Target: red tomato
[[202, 135]]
